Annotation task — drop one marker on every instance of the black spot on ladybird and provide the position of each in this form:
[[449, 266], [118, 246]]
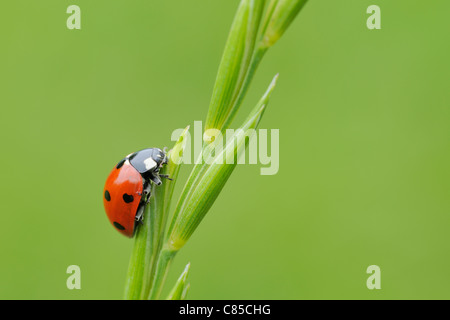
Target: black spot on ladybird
[[107, 195], [120, 164], [118, 226], [127, 198]]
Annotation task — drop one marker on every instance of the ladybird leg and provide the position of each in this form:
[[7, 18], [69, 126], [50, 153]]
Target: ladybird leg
[[147, 199], [165, 176], [147, 192], [156, 179], [140, 214], [166, 160], [148, 195]]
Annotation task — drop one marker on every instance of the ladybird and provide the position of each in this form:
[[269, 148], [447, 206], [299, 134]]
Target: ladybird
[[128, 188]]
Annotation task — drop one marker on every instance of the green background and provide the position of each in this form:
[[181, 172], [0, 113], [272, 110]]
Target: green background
[[364, 148]]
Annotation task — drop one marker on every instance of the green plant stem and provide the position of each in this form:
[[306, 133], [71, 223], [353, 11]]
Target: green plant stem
[[256, 59], [160, 272], [162, 213], [147, 244], [141, 259], [160, 222], [150, 235], [157, 227]]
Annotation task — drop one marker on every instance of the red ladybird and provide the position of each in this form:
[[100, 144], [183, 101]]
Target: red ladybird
[[127, 189]]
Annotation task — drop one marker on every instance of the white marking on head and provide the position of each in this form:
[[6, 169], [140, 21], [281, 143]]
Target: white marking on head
[[150, 163]]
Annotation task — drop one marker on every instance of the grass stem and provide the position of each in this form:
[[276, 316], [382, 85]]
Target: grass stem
[[162, 267]]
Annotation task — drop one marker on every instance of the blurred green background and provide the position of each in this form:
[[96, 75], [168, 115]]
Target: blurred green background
[[364, 148]]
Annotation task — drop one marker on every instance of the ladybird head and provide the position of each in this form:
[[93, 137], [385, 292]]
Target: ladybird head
[[148, 161]]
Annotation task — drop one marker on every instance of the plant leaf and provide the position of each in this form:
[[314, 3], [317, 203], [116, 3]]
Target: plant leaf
[[235, 62], [280, 15], [180, 288], [193, 206]]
